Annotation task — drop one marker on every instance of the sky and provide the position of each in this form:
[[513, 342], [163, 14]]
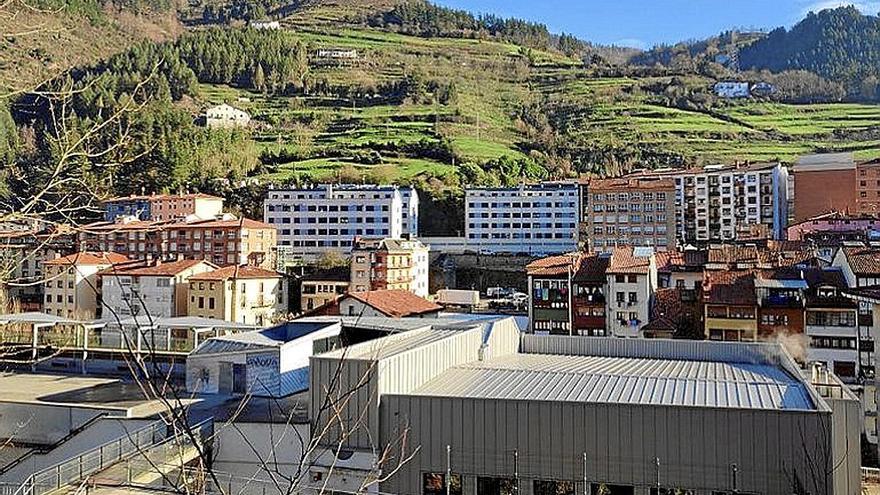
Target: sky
[[645, 23]]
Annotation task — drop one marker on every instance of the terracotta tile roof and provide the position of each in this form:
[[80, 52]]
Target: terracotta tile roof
[[624, 184], [236, 272], [624, 260], [862, 260], [554, 265], [150, 269], [89, 258], [158, 197], [733, 254], [246, 223], [592, 269], [735, 287], [121, 226], [395, 303], [666, 312]]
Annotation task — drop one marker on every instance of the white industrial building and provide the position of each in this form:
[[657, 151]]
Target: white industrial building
[[490, 412], [271, 362], [327, 218], [226, 116], [536, 219]]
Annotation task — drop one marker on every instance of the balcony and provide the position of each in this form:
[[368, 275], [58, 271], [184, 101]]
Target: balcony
[[780, 301]]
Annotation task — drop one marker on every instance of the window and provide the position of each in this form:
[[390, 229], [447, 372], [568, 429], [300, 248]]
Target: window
[[550, 487], [435, 484], [163, 282], [496, 486]]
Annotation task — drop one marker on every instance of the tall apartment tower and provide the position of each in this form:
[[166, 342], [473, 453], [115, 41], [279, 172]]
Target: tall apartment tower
[[327, 218]]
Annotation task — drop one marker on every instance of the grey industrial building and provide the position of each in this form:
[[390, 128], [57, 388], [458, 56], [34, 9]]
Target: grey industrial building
[[497, 412]]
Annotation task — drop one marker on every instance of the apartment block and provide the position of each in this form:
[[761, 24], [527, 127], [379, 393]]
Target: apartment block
[[328, 218], [150, 288], [729, 202], [223, 241], [238, 293], [71, 288], [389, 264], [163, 207], [629, 212], [868, 188], [538, 219]]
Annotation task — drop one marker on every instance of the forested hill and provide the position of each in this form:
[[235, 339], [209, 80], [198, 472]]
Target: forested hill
[[839, 44]]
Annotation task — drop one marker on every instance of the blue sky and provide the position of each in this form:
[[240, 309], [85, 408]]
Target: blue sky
[[644, 23]]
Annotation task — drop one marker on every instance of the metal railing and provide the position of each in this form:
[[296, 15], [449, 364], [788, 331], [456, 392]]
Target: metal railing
[[78, 468]]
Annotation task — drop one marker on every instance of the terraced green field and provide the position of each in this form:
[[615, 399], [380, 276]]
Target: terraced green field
[[493, 81]]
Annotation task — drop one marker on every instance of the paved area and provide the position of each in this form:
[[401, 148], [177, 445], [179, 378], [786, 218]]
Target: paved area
[[78, 391]]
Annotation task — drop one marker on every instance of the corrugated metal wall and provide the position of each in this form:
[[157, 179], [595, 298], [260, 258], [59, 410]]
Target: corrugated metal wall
[[399, 373], [696, 446]]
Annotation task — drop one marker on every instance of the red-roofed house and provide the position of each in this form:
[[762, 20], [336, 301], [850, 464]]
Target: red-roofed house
[[239, 293], [387, 303], [567, 294], [731, 305], [71, 287], [154, 288]]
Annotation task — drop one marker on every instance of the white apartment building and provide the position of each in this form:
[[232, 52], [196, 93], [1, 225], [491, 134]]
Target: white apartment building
[[729, 202], [154, 288], [71, 288], [537, 219], [327, 218], [632, 281]]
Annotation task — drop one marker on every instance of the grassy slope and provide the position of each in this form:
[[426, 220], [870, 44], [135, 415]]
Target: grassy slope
[[493, 79], [40, 43]]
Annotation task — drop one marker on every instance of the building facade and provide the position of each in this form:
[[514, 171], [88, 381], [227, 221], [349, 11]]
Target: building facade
[[567, 295], [729, 202], [538, 219], [238, 293], [323, 286], [71, 287], [224, 241], [868, 188], [151, 288], [329, 217], [398, 264], [632, 281], [163, 207], [226, 116], [628, 211]]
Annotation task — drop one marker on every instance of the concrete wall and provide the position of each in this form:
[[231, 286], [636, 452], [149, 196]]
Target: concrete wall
[[241, 449], [95, 435], [44, 424]]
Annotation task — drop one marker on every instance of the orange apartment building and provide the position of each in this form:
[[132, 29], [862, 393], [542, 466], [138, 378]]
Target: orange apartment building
[[227, 241]]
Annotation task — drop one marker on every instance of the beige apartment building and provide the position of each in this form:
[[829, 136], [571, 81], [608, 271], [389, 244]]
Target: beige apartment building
[[323, 286], [629, 212], [389, 264], [238, 293], [71, 287]]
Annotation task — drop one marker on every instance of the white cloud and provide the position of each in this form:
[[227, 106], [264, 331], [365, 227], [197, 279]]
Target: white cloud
[[631, 43], [865, 7]]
